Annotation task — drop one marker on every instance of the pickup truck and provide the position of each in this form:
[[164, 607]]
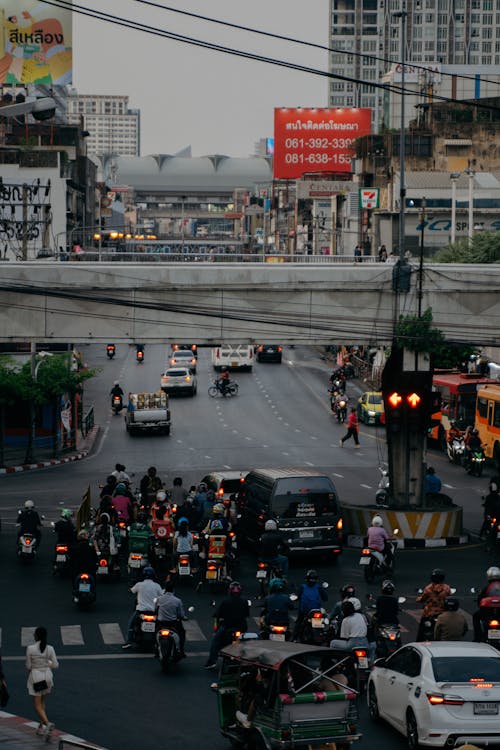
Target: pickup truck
[[148, 412]]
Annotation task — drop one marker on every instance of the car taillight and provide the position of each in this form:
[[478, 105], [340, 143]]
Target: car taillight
[[440, 699], [260, 348], [61, 548], [103, 563], [340, 524], [280, 348], [237, 633]]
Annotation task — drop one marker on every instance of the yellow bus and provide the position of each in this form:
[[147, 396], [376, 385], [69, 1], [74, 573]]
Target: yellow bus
[[487, 420]]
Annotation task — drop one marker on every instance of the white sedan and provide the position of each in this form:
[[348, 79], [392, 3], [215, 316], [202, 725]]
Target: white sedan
[[439, 693], [178, 379]]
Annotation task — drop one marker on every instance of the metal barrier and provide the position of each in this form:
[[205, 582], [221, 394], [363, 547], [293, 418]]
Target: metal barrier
[[206, 256], [87, 422]]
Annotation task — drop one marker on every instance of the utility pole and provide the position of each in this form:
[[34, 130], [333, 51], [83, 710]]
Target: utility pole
[[24, 240]]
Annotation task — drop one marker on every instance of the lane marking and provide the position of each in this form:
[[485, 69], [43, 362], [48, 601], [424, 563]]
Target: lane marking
[[111, 633], [193, 631], [366, 486], [71, 635]]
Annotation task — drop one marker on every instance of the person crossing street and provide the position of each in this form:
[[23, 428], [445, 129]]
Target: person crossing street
[[352, 428]]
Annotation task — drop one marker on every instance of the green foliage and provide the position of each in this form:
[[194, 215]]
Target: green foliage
[[484, 248], [54, 377], [418, 335]]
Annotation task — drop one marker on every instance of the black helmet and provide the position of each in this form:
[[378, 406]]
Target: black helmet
[[347, 591], [149, 572], [451, 603], [438, 575], [388, 587], [348, 608], [311, 575]]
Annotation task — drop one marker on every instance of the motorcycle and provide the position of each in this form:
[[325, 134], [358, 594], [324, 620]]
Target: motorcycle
[[474, 462], [136, 563], [383, 492], [275, 633], [168, 647], [387, 635], [111, 350], [427, 623], [216, 570], [316, 629], [455, 449], [217, 389], [377, 563], [139, 355], [489, 616], [342, 410], [84, 593], [362, 667], [116, 404], [265, 573], [145, 630], [27, 547], [334, 395], [61, 559]]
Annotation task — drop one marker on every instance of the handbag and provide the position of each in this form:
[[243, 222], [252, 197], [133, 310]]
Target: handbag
[[4, 695], [39, 686]]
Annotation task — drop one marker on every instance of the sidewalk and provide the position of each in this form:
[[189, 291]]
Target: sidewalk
[[86, 447], [17, 733]]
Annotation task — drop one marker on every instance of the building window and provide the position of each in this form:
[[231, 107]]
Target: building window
[[486, 33], [487, 19], [486, 60], [486, 48]]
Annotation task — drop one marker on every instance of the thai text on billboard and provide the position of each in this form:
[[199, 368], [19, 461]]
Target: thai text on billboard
[[316, 140], [35, 43]]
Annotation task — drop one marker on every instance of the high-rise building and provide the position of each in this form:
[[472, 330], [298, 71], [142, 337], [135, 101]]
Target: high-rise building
[[437, 32], [113, 128]]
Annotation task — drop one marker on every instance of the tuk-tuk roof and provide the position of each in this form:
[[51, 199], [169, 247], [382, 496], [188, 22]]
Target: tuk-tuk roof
[[270, 654]]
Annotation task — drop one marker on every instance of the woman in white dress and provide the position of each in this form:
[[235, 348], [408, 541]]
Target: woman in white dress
[[40, 661]]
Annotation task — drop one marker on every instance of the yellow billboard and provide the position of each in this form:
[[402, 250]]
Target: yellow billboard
[[35, 43]]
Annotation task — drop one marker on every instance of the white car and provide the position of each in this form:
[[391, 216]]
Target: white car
[[439, 693], [183, 358], [178, 379]]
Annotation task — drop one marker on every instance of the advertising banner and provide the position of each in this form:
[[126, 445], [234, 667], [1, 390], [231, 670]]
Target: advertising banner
[[316, 140], [35, 43], [369, 198]]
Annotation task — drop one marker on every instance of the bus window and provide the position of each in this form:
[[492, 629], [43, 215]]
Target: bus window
[[496, 415], [482, 407]]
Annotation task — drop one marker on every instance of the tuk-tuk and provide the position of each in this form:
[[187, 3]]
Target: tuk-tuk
[[291, 696]]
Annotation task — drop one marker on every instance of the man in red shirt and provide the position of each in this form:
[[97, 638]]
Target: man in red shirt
[[352, 428]]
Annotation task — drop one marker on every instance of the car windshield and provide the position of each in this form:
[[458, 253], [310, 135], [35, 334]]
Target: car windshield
[[176, 373], [375, 398], [231, 485], [183, 354], [305, 497], [466, 669]]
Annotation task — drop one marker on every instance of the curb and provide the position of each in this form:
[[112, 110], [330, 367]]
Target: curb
[[77, 456], [409, 543]]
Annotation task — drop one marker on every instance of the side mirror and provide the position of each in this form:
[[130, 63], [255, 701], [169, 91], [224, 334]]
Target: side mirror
[[293, 597], [453, 591], [473, 590], [379, 663], [249, 602], [214, 686], [401, 599], [395, 532], [191, 609], [325, 584]]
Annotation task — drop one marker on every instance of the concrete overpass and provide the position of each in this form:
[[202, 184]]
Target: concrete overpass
[[207, 303]]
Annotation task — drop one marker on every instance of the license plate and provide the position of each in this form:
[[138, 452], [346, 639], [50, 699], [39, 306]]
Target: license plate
[[195, 547], [211, 574], [261, 573], [185, 570], [123, 532], [135, 564], [102, 570], [148, 627], [486, 708], [317, 623], [60, 558], [84, 587], [27, 549], [494, 634], [276, 636], [307, 534], [364, 561]]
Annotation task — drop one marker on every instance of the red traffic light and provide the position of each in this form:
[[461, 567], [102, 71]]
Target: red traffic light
[[413, 400], [395, 399]]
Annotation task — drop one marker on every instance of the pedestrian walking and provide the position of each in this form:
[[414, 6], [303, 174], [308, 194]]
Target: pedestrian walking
[[40, 661], [352, 428]]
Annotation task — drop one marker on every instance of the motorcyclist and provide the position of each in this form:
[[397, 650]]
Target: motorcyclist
[[354, 628], [386, 606], [123, 503], [231, 614], [83, 557], [432, 482], [183, 542], [277, 605], [149, 486], [451, 624], [120, 474], [311, 596], [433, 597], [223, 381], [178, 493], [218, 524], [103, 538], [170, 614], [491, 507], [492, 588], [65, 528], [109, 487], [146, 591], [378, 539], [271, 548], [346, 592], [116, 390], [454, 433], [29, 522], [472, 445]]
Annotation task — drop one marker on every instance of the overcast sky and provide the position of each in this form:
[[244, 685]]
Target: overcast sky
[[212, 101]]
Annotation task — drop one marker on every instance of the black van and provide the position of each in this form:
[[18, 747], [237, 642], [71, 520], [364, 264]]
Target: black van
[[304, 503]]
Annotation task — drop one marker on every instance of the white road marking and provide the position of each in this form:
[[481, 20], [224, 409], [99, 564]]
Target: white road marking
[[193, 631], [111, 633], [308, 463], [247, 438], [286, 424], [226, 466], [265, 446], [366, 486], [340, 476], [448, 486], [284, 453], [313, 437], [71, 635]]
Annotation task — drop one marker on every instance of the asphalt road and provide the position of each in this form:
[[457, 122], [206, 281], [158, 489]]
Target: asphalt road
[[280, 417]]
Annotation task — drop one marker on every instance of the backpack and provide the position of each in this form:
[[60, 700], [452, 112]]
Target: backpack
[[309, 597]]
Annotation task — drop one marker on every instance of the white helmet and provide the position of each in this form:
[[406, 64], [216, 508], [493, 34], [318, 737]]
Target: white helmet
[[271, 525], [355, 603], [377, 521], [493, 573], [29, 504], [161, 496]]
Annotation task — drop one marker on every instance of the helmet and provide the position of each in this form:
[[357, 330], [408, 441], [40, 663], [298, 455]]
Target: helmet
[[183, 520], [355, 603], [493, 573], [202, 487], [66, 514], [235, 588], [83, 534], [116, 382], [451, 603], [149, 572], [104, 516], [377, 521], [387, 587], [29, 504], [120, 487], [347, 591], [347, 608], [438, 575], [475, 432], [311, 575], [431, 470], [271, 525], [277, 584], [218, 509], [161, 496]]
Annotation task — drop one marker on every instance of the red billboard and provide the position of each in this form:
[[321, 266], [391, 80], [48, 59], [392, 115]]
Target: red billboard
[[316, 140]]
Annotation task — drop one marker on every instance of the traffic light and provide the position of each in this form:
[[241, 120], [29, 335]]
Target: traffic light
[[394, 410], [417, 419]]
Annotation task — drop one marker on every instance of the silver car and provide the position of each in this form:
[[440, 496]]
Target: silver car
[[179, 380]]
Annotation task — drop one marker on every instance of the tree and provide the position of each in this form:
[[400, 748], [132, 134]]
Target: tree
[[418, 335], [484, 248]]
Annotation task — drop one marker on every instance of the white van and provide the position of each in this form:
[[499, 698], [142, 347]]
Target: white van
[[234, 357]]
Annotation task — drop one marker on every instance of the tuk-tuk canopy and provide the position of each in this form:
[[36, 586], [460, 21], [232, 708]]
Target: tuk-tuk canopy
[[272, 654]]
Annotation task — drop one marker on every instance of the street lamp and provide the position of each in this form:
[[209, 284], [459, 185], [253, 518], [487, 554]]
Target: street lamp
[[471, 174], [454, 177], [423, 205], [402, 14]]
